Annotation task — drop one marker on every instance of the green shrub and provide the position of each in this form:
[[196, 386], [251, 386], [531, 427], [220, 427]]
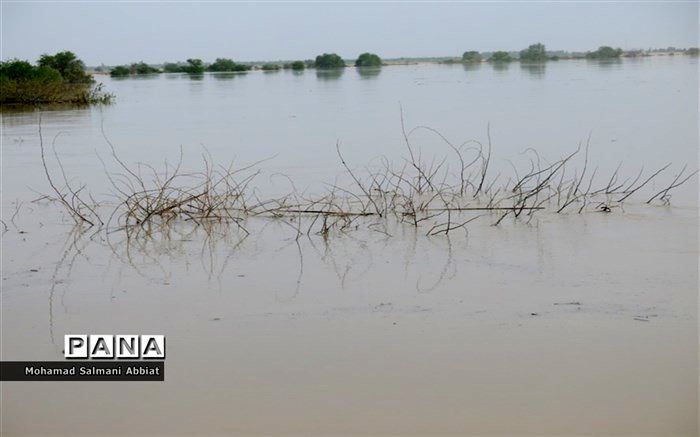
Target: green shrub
[[24, 83], [23, 70], [135, 68], [170, 67], [368, 60], [194, 66], [120, 71], [71, 68], [471, 56], [143, 68], [328, 61], [534, 53], [241, 67], [605, 52], [298, 65], [500, 57], [270, 67], [224, 64]]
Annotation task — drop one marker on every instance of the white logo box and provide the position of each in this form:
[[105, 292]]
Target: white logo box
[[114, 346]]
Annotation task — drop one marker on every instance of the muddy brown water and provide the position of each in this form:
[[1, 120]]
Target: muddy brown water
[[571, 324]]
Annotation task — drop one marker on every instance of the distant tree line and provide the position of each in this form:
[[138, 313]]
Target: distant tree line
[[534, 53], [537, 52]]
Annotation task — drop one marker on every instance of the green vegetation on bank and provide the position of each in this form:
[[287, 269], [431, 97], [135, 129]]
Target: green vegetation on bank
[[193, 66], [59, 78], [328, 61], [605, 52], [471, 56], [134, 69], [368, 60], [500, 57], [270, 67], [227, 65], [171, 67], [534, 53], [71, 68]]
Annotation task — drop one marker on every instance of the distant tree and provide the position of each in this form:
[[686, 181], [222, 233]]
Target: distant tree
[[143, 68], [71, 68], [500, 57], [328, 61], [171, 67], [298, 65], [270, 67], [368, 60], [534, 53], [194, 66], [309, 63], [225, 64], [222, 64], [120, 71], [471, 56], [605, 52], [693, 51]]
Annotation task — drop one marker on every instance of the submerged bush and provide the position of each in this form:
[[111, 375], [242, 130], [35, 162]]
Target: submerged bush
[[224, 64], [605, 52], [135, 68], [120, 71], [471, 56], [298, 65], [534, 53], [368, 60], [270, 67], [500, 57], [329, 60], [143, 68], [24, 83], [171, 67], [194, 66]]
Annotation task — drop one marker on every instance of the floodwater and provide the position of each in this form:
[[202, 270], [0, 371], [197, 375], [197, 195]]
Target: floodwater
[[569, 324]]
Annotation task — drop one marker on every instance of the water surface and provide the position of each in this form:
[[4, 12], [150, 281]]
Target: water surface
[[568, 324]]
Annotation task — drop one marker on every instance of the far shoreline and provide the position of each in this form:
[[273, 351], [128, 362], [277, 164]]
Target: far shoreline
[[393, 62]]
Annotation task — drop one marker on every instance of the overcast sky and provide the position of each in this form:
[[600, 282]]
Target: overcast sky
[[118, 33]]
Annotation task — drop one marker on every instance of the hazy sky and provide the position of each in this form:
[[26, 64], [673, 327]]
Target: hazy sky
[[121, 32]]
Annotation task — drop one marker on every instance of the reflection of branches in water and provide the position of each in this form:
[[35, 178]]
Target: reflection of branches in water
[[142, 251], [69, 253], [449, 270], [300, 275]]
